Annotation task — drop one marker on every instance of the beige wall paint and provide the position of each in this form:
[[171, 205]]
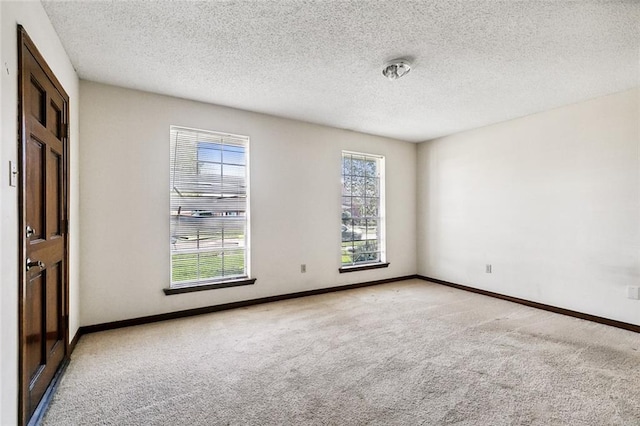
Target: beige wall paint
[[5, 375], [550, 200], [295, 202], [32, 16]]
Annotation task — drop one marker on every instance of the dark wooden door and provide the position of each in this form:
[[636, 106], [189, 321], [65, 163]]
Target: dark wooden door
[[43, 221]]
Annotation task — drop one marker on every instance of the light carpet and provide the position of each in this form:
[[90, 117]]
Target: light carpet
[[405, 353]]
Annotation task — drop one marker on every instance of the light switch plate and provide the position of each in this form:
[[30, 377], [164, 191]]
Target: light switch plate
[[13, 174]]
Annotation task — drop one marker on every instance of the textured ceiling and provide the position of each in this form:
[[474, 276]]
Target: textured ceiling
[[475, 62]]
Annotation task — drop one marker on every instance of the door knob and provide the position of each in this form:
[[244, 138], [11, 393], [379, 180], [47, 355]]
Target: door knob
[[32, 263], [30, 231]]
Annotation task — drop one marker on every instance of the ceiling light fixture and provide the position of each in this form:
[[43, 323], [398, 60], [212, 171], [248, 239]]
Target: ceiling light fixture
[[397, 68]]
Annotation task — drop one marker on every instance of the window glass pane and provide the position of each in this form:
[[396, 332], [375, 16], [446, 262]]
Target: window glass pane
[[358, 167], [234, 230], [346, 185], [209, 168], [234, 155], [346, 165], [357, 185], [347, 258], [357, 208], [372, 187], [362, 256], [370, 168], [371, 226], [210, 265], [234, 262], [346, 203], [208, 152], [371, 246], [361, 209], [208, 194], [371, 207], [237, 173], [184, 267]]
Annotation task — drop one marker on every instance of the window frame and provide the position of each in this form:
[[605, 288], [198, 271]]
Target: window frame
[[381, 262], [220, 281]]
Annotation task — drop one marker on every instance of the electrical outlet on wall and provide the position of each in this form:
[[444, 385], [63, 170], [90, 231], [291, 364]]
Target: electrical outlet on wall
[[633, 292], [488, 268]]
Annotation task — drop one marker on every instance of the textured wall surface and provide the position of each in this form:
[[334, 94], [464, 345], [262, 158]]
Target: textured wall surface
[[295, 202], [550, 200]]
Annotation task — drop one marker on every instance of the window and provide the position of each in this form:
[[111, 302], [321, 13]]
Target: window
[[209, 208], [362, 227]]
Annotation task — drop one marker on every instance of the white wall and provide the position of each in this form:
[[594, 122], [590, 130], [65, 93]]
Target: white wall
[[32, 16], [295, 202], [5, 374], [550, 200]]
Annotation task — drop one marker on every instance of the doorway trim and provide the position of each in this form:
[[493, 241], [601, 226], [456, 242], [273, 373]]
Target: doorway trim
[[26, 44]]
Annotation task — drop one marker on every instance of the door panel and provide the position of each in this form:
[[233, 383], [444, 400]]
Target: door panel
[[44, 239], [56, 120], [34, 325], [54, 193], [35, 179], [38, 102], [53, 292]]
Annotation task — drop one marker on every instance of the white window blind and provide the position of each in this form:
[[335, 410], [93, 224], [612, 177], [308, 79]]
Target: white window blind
[[209, 199], [362, 209]]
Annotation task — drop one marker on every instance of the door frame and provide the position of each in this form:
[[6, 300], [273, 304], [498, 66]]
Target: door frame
[[25, 42]]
